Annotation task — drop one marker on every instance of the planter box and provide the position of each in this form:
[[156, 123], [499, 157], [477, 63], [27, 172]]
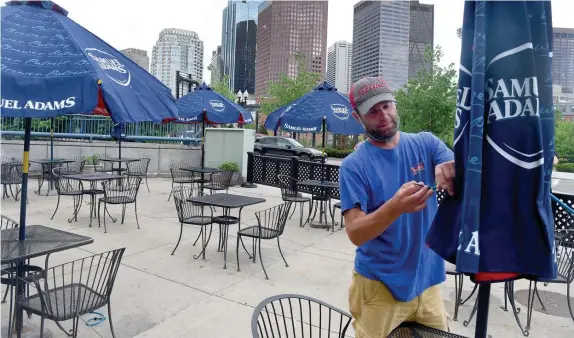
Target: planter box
[[236, 179], [89, 168]]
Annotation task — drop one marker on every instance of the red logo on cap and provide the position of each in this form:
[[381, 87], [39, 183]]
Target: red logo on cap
[[372, 86]]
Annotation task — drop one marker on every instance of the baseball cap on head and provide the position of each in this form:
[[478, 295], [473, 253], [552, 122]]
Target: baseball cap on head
[[369, 91]]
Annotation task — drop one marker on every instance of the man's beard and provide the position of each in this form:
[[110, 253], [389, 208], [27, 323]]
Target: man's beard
[[378, 136]]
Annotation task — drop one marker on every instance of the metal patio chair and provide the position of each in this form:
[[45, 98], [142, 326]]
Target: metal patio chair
[[180, 176], [122, 191], [290, 194], [564, 241], [11, 179], [68, 187], [298, 316], [8, 271], [139, 168], [219, 181], [270, 224], [73, 289], [190, 213], [77, 167]]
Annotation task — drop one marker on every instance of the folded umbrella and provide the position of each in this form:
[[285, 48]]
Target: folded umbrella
[[499, 225]]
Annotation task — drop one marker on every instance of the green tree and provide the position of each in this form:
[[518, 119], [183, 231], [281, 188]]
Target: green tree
[[564, 136], [222, 88], [289, 89], [428, 102]]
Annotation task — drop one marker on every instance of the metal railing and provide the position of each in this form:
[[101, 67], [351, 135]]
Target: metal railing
[[96, 137], [97, 125]]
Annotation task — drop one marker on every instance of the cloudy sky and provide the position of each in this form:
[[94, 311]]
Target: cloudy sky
[[132, 23]]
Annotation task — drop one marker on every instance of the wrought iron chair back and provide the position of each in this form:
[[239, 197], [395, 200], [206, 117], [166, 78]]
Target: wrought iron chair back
[[78, 165], [220, 180], [185, 209], [288, 186], [138, 167], [7, 223], [72, 289], [65, 185], [122, 190], [272, 221], [297, 316]]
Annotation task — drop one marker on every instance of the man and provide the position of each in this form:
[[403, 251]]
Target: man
[[388, 208]]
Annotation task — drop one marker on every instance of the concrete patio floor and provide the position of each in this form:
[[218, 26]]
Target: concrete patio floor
[[160, 295]]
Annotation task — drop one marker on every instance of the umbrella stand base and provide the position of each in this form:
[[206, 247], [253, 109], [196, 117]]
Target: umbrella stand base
[[29, 330], [319, 225], [47, 192], [248, 185]]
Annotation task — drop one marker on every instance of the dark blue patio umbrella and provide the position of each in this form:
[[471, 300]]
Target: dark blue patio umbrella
[[204, 105], [52, 66], [499, 225], [323, 109]]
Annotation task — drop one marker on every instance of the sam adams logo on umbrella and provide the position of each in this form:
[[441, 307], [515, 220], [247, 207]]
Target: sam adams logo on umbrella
[[217, 105], [340, 111], [508, 98], [113, 68], [38, 105]]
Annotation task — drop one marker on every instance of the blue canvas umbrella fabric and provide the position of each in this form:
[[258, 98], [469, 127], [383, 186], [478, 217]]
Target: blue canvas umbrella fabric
[[499, 225], [204, 102], [306, 114], [52, 66], [272, 120]]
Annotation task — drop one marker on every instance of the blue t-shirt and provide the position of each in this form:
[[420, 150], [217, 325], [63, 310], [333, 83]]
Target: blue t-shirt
[[370, 176]]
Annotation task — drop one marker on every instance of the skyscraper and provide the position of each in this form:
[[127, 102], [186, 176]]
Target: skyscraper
[[563, 59], [138, 56], [339, 57], [287, 29], [381, 41], [421, 35], [238, 43], [177, 49], [216, 66]]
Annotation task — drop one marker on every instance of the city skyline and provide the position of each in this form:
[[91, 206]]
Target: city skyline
[[238, 42], [122, 23]]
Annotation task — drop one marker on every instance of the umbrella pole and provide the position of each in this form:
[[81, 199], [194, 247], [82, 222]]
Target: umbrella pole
[[51, 183], [120, 147], [323, 150], [482, 311], [22, 227], [51, 139], [25, 166], [203, 141]]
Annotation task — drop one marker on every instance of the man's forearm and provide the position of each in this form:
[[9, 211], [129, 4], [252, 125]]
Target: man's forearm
[[364, 228]]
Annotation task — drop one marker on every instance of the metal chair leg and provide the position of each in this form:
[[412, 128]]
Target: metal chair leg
[[292, 212], [178, 240], [110, 319], [199, 235], [57, 205], [281, 252], [237, 251], [261, 260], [471, 293], [136, 210], [6, 293]]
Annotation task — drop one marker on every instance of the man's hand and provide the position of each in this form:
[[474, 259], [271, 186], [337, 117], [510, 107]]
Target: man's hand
[[444, 176], [411, 197]]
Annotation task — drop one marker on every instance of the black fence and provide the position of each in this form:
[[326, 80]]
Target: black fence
[[266, 170]]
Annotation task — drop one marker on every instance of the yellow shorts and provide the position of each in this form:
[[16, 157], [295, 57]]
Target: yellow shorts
[[377, 313]]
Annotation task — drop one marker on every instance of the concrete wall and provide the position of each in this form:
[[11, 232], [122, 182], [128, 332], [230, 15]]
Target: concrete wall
[[161, 155]]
